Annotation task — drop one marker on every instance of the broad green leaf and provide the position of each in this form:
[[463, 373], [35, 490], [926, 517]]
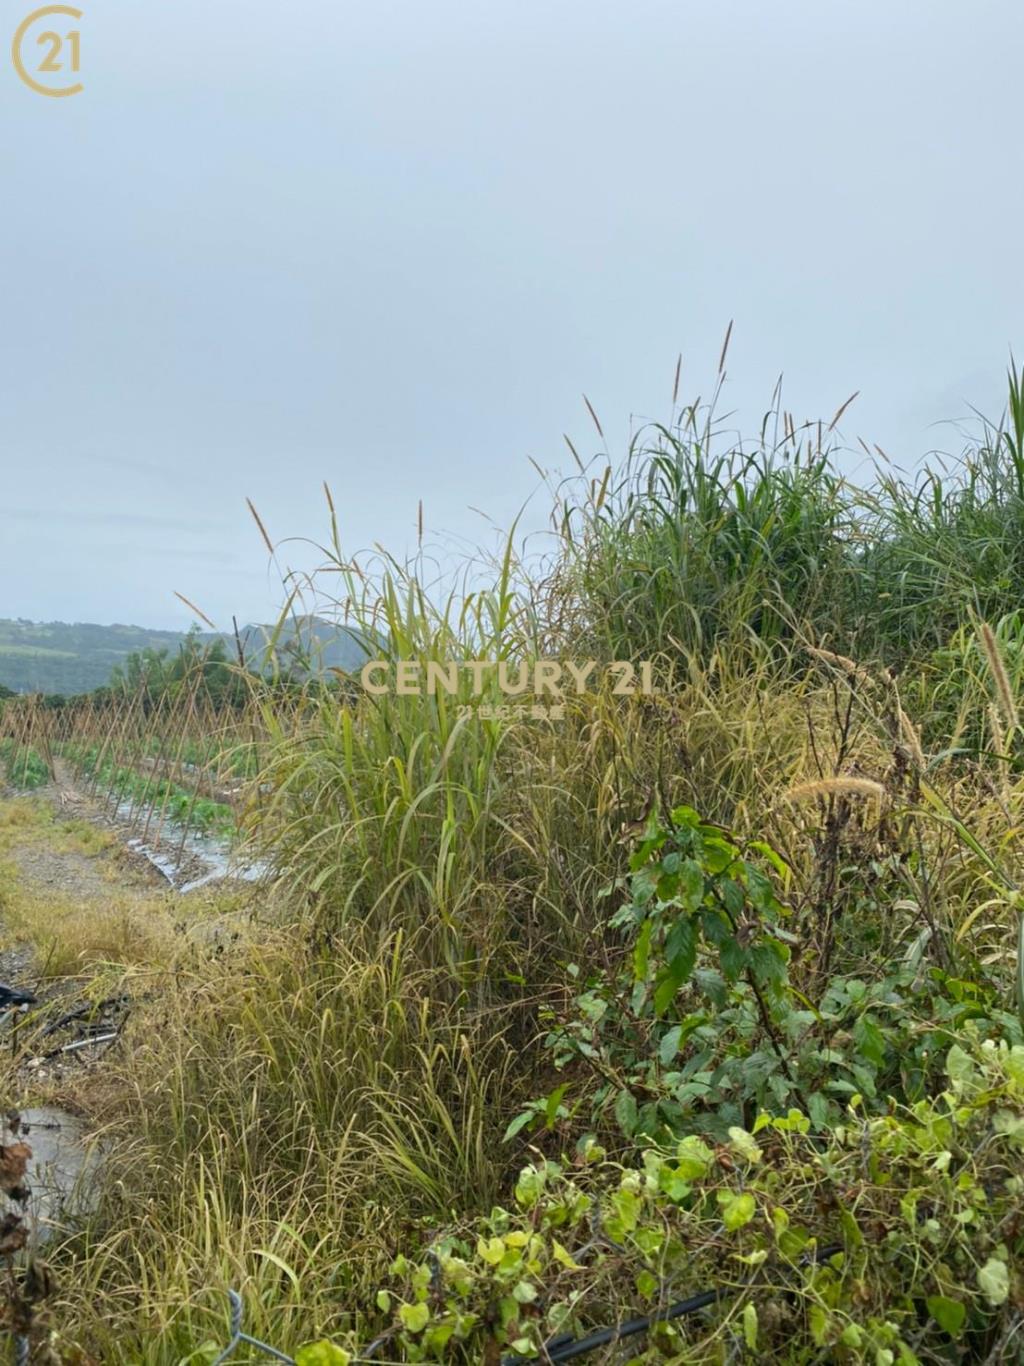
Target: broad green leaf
[[733, 958], [773, 857], [322, 1353], [1010, 1125], [718, 855], [869, 1040], [647, 1284], [684, 817], [744, 1144], [414, 1317], [691, 884], [626, 1112], [490, 1250], [563, 1257], [681, 946], [948, 1314], [994, 1281], [666, 990], [732, 895], [818, 1109], [694, 1157], [669, 1046], [674, 1184], [554, 1100], [818, 1322], [436, 1338], [520, 1122], [959, 1066], [768, 963], [739, 1211]]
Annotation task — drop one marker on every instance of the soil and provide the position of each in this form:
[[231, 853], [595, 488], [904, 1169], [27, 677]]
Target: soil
[[44, 866], [137, 870], [82, 876]]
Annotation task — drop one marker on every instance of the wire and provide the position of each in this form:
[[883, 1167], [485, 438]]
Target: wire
[[562, 1349]]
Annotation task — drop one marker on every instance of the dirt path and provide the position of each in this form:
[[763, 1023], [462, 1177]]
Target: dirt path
[[67, 860], [84, 877], [59, 856], [74, 902], [154, 848]]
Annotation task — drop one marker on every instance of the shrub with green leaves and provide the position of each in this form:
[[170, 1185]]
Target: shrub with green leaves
[[925, 1203], [699, 1026], [706, 942], [23, 766]]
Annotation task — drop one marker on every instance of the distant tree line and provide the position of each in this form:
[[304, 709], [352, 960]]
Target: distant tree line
[[197, 663], [157, 673]]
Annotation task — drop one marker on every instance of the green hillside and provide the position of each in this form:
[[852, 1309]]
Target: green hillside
[[69, 658], [62, 657]]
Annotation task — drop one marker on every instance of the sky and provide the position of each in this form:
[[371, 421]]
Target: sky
[[392, 244]]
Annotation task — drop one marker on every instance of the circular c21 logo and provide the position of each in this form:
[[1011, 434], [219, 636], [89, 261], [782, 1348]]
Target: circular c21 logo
[[52, 68]]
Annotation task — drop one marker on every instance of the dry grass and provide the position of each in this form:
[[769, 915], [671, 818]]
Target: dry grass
[[71, 938], [276, 1128]]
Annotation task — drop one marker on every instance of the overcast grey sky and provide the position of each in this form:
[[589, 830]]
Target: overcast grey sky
[[390, 244]]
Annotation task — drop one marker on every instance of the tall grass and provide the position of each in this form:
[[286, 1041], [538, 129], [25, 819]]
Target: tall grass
[[685, 548], [386, 809], [686, 551], [288, 1121]]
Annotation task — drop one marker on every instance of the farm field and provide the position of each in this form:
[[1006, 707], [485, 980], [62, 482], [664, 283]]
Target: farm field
[[441, 1034]]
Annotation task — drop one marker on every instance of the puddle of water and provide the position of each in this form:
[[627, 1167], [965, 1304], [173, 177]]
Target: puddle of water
[[61, 1171], [250, 872], [214, 863], [196, 861]]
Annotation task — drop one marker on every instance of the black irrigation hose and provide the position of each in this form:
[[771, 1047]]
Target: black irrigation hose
[[564, 1348]]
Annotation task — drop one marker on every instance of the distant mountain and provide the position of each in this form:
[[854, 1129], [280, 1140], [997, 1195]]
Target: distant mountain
[[63, 657], [58, 657]]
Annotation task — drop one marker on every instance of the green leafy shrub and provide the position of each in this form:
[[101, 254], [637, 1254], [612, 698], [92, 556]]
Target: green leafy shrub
[[925, 1202], [699, 1027], [24, 766]]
